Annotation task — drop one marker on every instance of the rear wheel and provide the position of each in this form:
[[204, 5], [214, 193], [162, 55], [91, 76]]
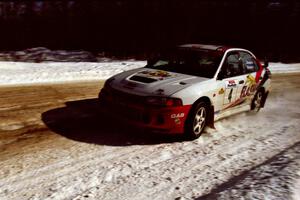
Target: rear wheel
[[257, 101], [197, 121]]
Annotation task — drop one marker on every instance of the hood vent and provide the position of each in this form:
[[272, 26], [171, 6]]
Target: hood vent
[[142, 79]]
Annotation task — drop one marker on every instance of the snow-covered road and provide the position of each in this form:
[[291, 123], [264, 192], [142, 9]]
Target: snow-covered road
[[55, 146]]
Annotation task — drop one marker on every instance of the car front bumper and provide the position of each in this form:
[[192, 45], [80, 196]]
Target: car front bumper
[[169, 120]]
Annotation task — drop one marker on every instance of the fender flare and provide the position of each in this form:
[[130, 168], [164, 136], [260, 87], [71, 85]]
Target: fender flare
[[211, 113]]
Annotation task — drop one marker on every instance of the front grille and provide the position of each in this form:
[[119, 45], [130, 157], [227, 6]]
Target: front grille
[[126, 98], [124, 105], [128, 112]]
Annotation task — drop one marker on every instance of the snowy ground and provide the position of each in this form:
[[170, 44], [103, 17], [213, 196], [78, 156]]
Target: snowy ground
[[273, 179], [12, 73], [247, 156]]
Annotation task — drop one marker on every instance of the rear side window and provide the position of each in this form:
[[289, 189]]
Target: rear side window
[[249, 63]]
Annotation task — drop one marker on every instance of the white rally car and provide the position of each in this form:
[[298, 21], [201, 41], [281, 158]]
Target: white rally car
[[184, 90]]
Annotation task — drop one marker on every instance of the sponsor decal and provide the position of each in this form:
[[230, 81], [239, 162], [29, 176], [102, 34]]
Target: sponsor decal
[[230, 95], [249, 88], [221, 91], [177, 121], [178, 115], [235, 103], [230, 84], [250, 80], [249, 63], [158, 73]]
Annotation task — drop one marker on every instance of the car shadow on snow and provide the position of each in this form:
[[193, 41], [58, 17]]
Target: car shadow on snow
[[83, 121]]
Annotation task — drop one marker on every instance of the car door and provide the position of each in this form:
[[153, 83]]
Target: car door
[[233, 80], [251, 69]]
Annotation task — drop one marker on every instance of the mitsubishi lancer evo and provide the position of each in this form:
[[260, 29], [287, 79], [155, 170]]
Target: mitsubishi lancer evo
[[186, 89]]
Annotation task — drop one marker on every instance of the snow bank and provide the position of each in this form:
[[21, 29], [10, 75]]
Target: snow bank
[[27, 73], [12, 73], [42, 54], [284, 68]]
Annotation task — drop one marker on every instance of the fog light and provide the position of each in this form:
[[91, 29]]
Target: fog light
[[146, 118]]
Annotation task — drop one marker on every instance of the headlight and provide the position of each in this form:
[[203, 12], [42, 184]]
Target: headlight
[[163, 101]]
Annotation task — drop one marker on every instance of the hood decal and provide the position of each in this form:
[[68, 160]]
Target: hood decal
[[146, 81], [157, 74]]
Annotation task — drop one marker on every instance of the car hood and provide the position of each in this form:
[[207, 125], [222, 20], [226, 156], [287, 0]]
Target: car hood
[[146, 81]]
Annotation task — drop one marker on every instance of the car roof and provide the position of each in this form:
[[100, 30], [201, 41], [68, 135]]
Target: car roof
[[204, 47]]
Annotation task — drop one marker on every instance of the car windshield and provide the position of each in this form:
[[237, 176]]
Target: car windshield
[[192, 62]]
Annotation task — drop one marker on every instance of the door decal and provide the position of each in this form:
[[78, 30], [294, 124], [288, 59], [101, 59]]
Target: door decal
[[247, 91], [230, 91]]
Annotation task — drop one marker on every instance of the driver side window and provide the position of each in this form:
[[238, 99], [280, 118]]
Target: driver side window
[[231, 66]]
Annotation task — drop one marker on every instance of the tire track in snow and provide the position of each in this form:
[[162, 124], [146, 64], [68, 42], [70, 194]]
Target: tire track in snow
[[273, 179], [181, 170]]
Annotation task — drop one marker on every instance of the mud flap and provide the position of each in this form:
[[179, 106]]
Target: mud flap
[[211, 118], [264, 99]]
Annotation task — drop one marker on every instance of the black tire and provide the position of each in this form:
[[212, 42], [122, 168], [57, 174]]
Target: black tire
[[196, 121], [256, 103]]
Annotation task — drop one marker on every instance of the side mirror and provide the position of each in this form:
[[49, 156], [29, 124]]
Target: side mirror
[[266, 64]]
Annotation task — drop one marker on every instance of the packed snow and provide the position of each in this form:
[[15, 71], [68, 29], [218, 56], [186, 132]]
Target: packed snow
[[12, 73]]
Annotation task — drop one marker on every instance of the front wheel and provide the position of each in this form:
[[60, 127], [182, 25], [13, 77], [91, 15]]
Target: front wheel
[[257, 101], [197, 121]]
